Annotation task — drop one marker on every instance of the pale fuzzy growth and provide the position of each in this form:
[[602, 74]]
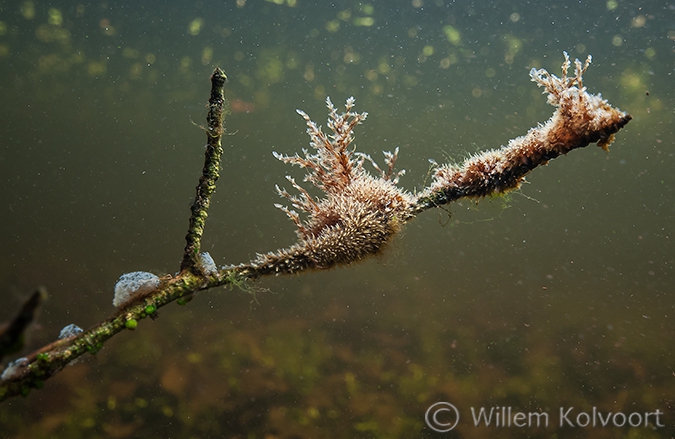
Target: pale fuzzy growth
[[69, 331], [206, 264], [579, 120], [14, 368], [133, 285], [358, 214]]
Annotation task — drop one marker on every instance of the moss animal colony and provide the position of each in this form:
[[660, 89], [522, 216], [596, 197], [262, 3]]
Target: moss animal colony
[[360, 213]]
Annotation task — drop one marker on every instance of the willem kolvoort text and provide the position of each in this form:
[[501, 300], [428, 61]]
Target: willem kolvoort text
[[567, 417]]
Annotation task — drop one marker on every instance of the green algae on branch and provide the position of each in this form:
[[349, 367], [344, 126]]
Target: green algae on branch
[[210, 173], [52, 358]]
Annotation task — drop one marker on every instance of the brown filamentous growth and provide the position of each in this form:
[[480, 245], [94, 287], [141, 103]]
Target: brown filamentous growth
[[579, 120], [359, 214]]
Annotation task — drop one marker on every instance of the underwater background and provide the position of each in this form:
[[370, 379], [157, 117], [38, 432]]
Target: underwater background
[[558, 295]]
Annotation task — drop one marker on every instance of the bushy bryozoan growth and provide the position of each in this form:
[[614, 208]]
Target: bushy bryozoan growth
[[580, 119], [360, 213]]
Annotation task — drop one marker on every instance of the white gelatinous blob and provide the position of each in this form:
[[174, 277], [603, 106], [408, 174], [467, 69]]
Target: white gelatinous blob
[[131, 285], [206, 264], [69, 331], [14, 368]]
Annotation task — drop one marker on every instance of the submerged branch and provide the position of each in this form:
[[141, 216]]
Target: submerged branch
[[210, 173], [195, 275], [12, 336], [357, 217], [31, 371]]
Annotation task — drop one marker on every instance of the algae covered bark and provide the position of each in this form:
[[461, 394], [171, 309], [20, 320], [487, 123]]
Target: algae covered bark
[[210, 172]]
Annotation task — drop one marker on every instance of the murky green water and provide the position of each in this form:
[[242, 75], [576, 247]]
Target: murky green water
[[557, 296]]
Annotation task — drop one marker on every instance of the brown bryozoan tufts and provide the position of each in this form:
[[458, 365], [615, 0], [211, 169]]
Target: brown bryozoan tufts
[[579, 120], [359, 212]]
